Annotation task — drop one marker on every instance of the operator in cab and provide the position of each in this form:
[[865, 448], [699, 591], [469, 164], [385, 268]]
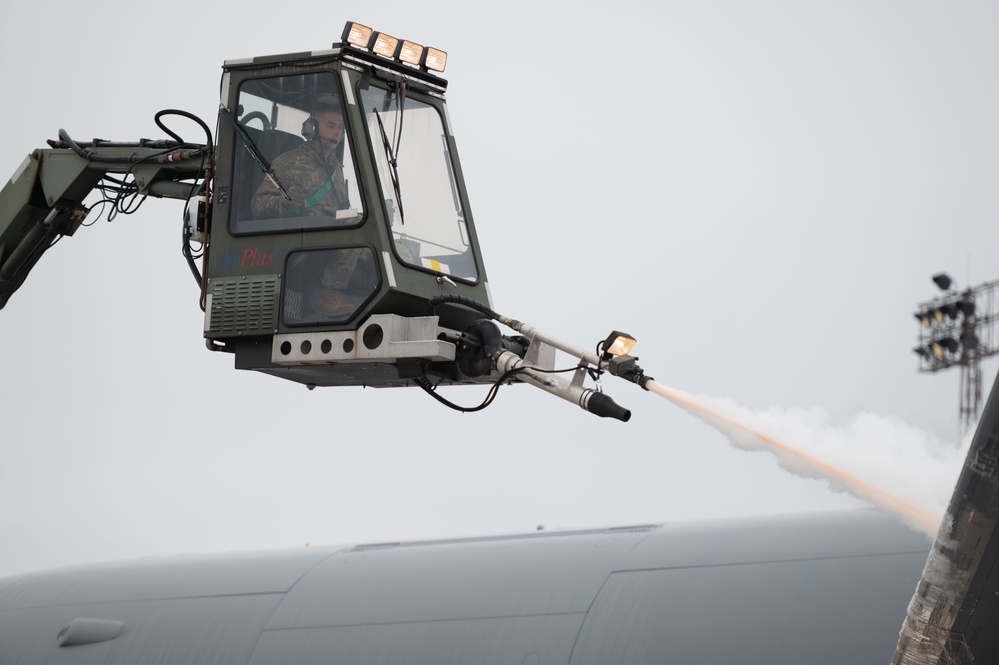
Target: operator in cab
[[311, 173]]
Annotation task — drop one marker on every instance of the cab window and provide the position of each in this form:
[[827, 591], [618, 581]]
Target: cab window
[[328, 286], [297, 126], [425, 213]]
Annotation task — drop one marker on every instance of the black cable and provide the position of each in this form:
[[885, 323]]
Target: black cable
[[124, 196], [94, 218], [186, 233], [490, 396], [185, 250], [125, 203], [592, 372]]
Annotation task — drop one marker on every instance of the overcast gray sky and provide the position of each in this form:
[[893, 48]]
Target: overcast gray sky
[[758, 191]]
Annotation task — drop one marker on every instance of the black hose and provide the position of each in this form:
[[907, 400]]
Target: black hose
[[467, 302], [132, 159], [189, 116], [103, 159], [91, 157]]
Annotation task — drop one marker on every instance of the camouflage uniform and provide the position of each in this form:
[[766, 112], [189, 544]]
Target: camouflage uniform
[[316, 186]]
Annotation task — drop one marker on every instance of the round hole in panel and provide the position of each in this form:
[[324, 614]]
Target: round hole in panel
[[373, 336]]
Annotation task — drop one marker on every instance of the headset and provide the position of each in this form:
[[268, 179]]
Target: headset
[[309, 128], [324, 101]]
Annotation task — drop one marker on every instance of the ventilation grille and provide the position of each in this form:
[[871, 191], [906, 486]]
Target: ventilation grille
[[244, 305]]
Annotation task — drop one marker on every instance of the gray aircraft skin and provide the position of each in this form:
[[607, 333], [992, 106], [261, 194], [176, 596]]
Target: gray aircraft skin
[[816, 589]]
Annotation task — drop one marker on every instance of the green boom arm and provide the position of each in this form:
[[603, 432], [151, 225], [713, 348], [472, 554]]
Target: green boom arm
[[44, 198]]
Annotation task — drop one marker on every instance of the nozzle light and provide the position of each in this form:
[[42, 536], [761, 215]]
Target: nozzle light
[[389, 47], [618, 344]]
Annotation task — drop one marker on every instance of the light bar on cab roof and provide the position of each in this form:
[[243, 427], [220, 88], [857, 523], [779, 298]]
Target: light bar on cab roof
[[385, 45], [434, 59], [357, 34], [407, 52], [410, 53]]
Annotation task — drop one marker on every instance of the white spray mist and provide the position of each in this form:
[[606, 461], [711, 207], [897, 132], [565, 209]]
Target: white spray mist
[[875, 458]]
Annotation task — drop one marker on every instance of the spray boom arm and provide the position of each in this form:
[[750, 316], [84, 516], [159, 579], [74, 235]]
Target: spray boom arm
[[530, 358], [43, 200]]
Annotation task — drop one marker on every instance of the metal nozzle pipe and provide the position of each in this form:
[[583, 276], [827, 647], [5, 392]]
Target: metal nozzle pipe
[[589, 400]]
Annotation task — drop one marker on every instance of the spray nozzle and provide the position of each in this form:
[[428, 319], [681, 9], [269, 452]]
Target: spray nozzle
[[601, 404]]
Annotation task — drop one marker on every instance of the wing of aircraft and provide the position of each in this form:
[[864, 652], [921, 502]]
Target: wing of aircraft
[[819, 589]]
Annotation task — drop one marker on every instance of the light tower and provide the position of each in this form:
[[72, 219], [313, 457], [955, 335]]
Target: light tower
[[959, 328]]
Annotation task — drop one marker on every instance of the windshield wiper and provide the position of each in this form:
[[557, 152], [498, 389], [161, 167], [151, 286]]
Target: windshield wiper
[[393, 165], [254, 151], [392, 148]]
